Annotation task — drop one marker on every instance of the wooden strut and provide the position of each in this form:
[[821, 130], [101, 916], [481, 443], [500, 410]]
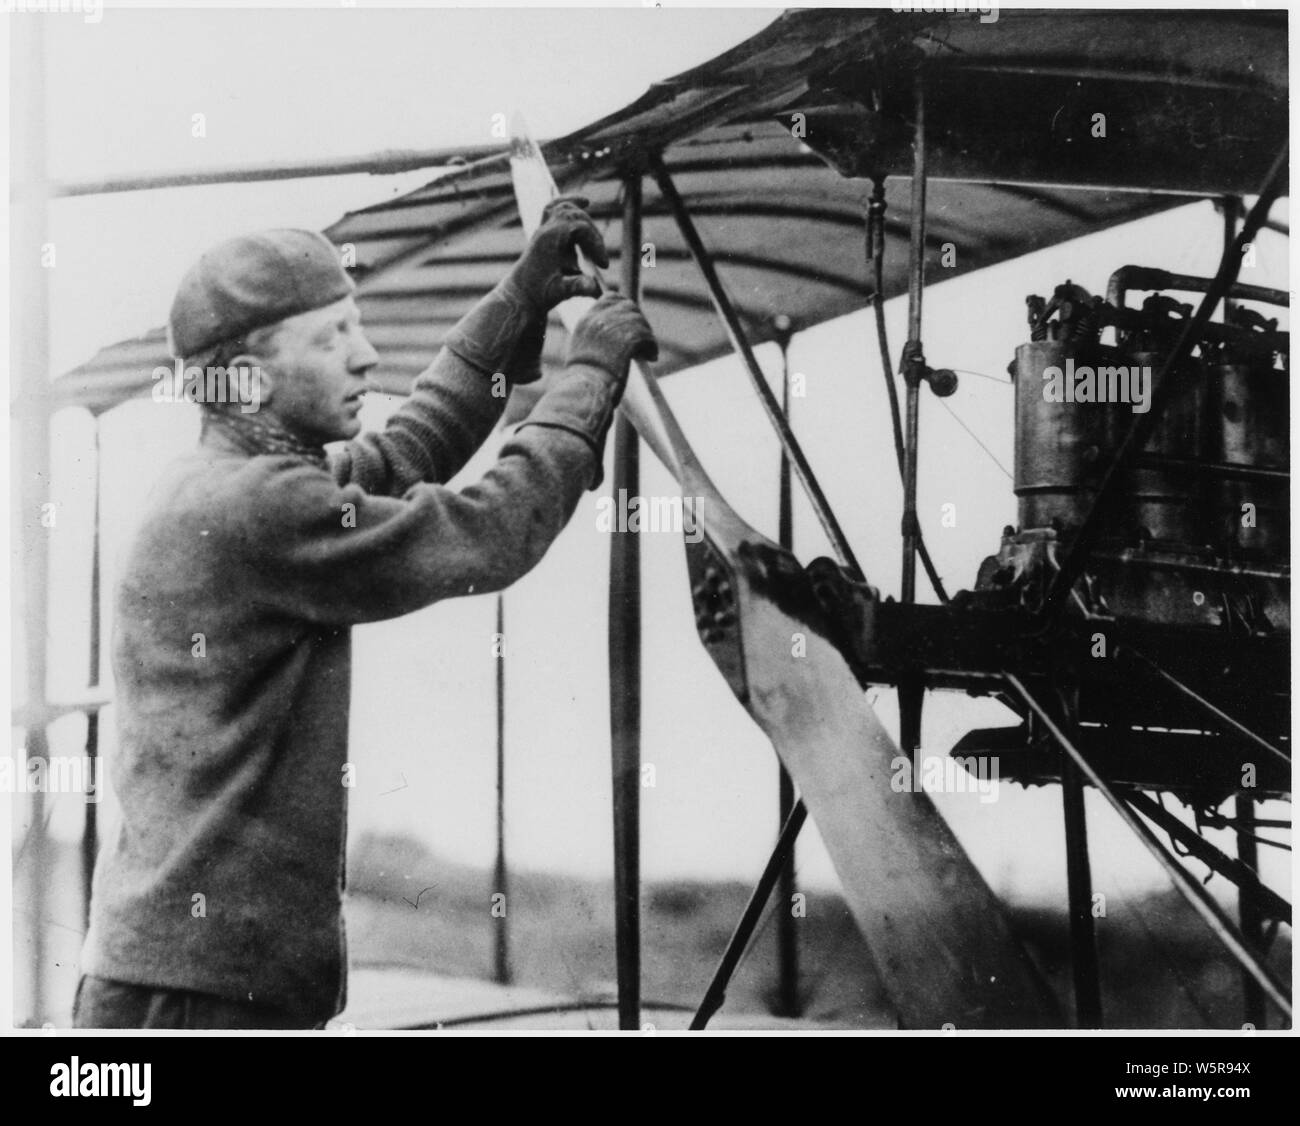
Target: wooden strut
[[876, 258], [625, 672], [781, 856], [911, 688], [388, 163], [913, 360], [31, 355], [501, 873], [787, 935], [1084, 963], [90, 828]]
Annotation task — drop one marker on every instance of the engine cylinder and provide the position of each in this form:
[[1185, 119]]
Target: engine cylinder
[[1164, 501], [1062, 448], [1249, 425]]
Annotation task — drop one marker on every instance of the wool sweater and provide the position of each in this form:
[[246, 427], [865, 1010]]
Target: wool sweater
[[231, 656]]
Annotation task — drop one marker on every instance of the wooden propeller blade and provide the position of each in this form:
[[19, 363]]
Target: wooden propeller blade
[[940, 939]]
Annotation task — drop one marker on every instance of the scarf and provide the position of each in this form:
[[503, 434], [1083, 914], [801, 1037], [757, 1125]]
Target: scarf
[[261, 437]]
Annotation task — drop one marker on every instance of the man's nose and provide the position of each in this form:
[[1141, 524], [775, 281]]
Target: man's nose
[[363, 356]]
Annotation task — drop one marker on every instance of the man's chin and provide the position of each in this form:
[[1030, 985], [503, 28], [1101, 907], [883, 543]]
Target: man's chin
[[345, 431]]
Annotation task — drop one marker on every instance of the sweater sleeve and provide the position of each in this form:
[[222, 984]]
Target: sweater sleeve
[[453, 406], [337, 555]]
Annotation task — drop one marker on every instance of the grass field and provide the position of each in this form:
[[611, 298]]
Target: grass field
[[407, 908], [1160, 966]]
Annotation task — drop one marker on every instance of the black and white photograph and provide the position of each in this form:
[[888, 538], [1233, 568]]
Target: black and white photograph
[[648, 519]]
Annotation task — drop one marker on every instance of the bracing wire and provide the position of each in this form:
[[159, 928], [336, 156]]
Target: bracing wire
[[978, 441]]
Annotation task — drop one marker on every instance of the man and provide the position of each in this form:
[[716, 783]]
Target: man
[[218, 905]]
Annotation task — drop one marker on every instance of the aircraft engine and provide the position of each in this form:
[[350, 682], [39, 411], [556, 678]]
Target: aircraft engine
[[1201, 533]]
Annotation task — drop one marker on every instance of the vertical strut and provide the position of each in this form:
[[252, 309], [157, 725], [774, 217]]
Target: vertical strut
[[1084, 963], [787, 941], [500, 874], [29, 362], [625, 670], [913, 362], [911, 689], [90, 829], [1252, 922], [911, 694], [876, 258]]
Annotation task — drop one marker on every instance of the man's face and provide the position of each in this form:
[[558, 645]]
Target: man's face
[[317, 373]]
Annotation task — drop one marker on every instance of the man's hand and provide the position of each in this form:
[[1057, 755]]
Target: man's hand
[[601, 347], [609, 336], [505, 332], [600, 342], [547, 273]]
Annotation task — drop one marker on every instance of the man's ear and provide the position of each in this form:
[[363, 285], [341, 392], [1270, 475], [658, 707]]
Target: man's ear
[[261, 375]]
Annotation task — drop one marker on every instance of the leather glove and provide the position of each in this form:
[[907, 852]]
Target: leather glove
[[547, 273], [602, 346], [612, 333], [524, 364], [507, 329]]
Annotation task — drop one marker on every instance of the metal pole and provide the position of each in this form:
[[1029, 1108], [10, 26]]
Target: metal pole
[[1083, 934], [1191, 890], [876, 258], [1265, 899], [913, 363], [625, 669], [500, 873], [787, 940], [717, 991], [1127, 654], [736, 333], [911, 689], [911, 695], [1078, 873], [1254, 1010], [389, 162], [30, 363], [90, 832]]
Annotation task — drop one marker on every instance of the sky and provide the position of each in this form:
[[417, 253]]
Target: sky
[[286, 85]]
